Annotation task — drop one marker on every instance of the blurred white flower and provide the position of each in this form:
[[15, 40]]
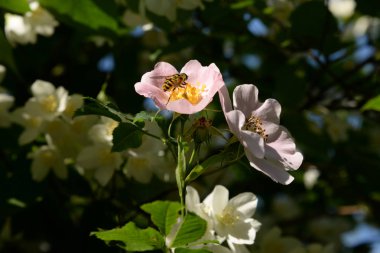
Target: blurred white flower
[[342, 8], [42, 21], [73, 103], [133, 19], [24, 29], [150, 158], [101, 160], [33, 125], [362, 26], [47, 158], [230, 219], [3, 71], [102, 132], [6, 102], [70, 137], [18, 30], [310, 177], [47, 102]]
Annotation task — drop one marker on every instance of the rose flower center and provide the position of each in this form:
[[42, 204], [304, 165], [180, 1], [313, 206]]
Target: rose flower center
[[255, 125]]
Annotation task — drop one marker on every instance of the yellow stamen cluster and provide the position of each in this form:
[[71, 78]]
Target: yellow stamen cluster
[[255, 125], [189, 92], [228, 217], [50, 103]]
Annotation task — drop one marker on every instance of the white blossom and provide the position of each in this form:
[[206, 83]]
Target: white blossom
[[47, 158], [230, 219], [99, 159], [24, 29]]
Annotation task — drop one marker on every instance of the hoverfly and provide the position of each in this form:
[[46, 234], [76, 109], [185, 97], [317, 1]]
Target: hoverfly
[[172, 82]]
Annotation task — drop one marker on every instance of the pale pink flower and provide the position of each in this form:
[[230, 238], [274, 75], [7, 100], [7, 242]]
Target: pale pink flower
[[268, 146], [192, 96]]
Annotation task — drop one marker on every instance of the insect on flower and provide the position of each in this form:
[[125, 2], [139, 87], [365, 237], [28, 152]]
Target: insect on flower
[[172, 82]]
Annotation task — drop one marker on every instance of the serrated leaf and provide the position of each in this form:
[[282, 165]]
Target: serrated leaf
[[94, 14], [372, 104], [186, 250], [94, 107], [133, 238], [164, 214], [126, 135], [192, 229], [17, 6]]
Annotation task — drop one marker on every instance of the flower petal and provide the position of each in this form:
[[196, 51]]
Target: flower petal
[[225, 100], [270, 111], [192, 199], [245, 99], [253, 142], [272, 168], [290, 161], [217, 200], [235, 120], [245, 203]]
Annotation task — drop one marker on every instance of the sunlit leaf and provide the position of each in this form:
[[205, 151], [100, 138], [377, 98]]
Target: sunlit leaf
[[95, 107], [17, 6], [164, 214], [94, 14], [372, 104], [192, 229], [133, 238]]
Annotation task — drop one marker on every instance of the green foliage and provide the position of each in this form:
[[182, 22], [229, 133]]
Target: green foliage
[[372, 104], [95, 107], [164, 214], [126, 135], [192, 229], [17, 6], [98, 15], [133, 238], [185, 250]]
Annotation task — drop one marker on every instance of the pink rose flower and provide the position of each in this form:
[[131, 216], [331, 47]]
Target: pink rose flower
[[268, 146], [184, 94]]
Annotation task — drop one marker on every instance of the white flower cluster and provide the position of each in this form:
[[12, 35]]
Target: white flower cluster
[[227, 219], [85, 142], [24, 29]]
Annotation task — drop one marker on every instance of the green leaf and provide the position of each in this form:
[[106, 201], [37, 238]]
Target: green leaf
[[164, 214], [126, 135], [133, 238], [98, 15], [95, 107], [372, 104], [242, 4], [186, 250], [192, 229], [17, 6]]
